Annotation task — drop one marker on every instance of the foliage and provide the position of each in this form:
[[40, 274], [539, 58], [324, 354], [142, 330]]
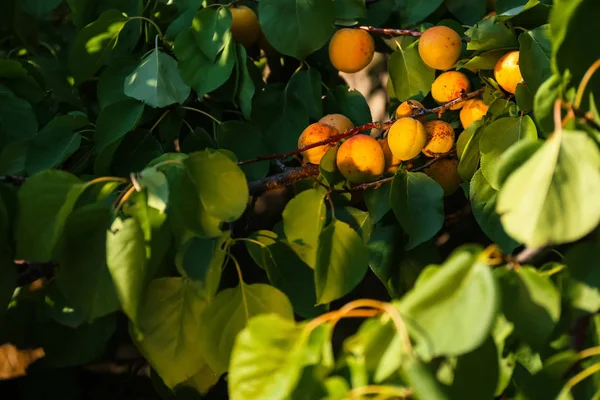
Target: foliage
[[140, 144]]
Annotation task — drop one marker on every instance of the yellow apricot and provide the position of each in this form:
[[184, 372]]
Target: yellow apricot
[[507, 71], [360, 159], [440, 138], [351, 50], [440, 47], [337, 121], [449, 86], [391, 162], [406, 138], [405, 110], [445, 173], [245, 28], [473, 110], [312, 134]]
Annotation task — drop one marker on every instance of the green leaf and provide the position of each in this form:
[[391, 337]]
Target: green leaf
[[490, 34], [507, 9], [567, 178], [418, 204], [297, 28], [54, 143], [303, 221], [13, 158], [229, 313], [134, 152], [497, 137], [584, 277], [126, 260], [357, 219], [111, 83], [94, 43], [483, 199], [45, 201], [543, 102], [342, 262], [460, 297], [115, 120], [486, 61], [306, 84], [157, 186], [245, 141], [197, 70], [201, 260], [410, 76], [469, 159], [422, 381], [514, 157], [476, 373], [156, 81], [467, 12], [378, 202], [348, 102], [171, 316], [413, 11], [84, 277], [268, 357], [350, 9], [211, 29], [246, 87], [535, 50], [17, 118], [218, 184], [39, 8], [532, 303]]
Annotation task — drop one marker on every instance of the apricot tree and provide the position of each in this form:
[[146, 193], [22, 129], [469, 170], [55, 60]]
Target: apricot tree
[[196, 180]]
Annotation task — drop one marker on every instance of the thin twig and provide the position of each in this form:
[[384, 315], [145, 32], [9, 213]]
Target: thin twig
[[397, 32], [291, 175]]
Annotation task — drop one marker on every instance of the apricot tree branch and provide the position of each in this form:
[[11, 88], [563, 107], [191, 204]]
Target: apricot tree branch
[[397, 32], [289, 176]]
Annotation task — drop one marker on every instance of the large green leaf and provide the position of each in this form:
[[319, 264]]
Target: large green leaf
[[84, 277], [306, 84], [410, 76], [297, 27], [460, 297], [348, 102], [413, 11], [476, 373], [39, 8], [111, 83], [583, 288], [115, 120], [483, 199], [561, 205], [126, 260], [378, 201], [422, 381], [469, 159], [156, 81], [466, 11], [17, 118], [418, 204], [342, 261], [535, 50], [490, 34], [170, 318], [228, 314], [211, 27], [268, 357], [94, 43], [245, 141], [486, 60], [45, 201]]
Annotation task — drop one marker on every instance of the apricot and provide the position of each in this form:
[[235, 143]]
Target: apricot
[[406, 138], [445, 173], [338, 121], [440, 47], [449, 86], [351, 50], [245, 28], [391, 162], [360, 159], [440, 138], [473, 110], [312, 134], [405, 110], [507, 71]]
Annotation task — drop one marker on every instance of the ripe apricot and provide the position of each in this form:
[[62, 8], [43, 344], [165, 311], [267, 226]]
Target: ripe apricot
[[351, 50], [360, 159], [337, 121], [391, 162], [449, 86], [507, 71], [405, 110], [445, 173], [440, 138], [245, 28], [406, 138], [312, 134], [440, 47], [473, 110]]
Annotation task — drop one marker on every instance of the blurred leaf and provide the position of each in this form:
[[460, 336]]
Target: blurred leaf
[[471, 381], [422, 381], [583, 285], [514, 157], [350, 9], [17, 118], [39, 8], [157, 186]]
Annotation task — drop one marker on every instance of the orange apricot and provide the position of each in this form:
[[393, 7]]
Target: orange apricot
[[360, 159], [391, 162], [312, 134], [473, 110], [405, 110], [406, 138], [449, 86], [351, 50], [440, 47], [445, 173], [440, 138], [507, 72], [338, 121], [245, 28]]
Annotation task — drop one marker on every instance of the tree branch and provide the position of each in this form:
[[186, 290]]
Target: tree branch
[[397, 32], [289, 176]]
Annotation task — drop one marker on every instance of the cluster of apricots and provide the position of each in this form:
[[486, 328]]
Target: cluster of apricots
[[362, 158]]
